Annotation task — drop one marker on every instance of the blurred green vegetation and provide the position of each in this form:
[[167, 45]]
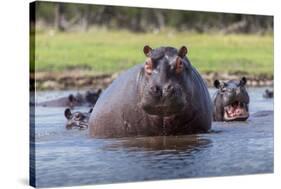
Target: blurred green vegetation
[[80, 17], [103, 51]]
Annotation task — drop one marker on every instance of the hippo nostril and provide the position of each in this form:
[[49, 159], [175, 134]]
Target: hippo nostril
[[169, 89], [155, 90]]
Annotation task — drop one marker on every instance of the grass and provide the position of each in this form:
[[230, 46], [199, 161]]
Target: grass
[[103, 51]]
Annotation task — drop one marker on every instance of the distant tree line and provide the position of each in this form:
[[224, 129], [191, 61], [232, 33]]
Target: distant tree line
[[66, 16]]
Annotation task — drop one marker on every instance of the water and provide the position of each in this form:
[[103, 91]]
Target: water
[[70, 157]]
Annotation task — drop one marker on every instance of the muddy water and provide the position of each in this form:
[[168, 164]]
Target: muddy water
[[70, 157]]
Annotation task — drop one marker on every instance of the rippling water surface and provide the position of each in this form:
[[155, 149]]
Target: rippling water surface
[[70, 157]]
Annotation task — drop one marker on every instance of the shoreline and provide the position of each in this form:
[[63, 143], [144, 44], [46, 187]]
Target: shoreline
[[87, 80]]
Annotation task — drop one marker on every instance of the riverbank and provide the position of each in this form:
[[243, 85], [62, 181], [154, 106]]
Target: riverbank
[[86, 80], [77, 60]]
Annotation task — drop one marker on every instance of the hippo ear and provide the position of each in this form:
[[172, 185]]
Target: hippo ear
[[90, 111], [67, 113], [217, 84], [243, 81], [99, 91], [71, 98], [147, 50], [182, 52]]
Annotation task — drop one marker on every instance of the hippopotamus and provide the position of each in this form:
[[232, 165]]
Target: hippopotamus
[[163, 96], [77, 119], [268, 94], [231, 101], [87, 99]]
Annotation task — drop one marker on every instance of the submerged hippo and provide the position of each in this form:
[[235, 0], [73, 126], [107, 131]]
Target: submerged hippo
[[268, 94], [163, 96], [87, 99], [231, 101], [77, 119]]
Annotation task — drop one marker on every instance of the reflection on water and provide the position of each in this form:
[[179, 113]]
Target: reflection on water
[[160, 143], [70, 157]]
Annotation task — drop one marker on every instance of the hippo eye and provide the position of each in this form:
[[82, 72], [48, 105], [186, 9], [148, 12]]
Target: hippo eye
[[223, 89], [148, 66], [77, 116], [179, 65]]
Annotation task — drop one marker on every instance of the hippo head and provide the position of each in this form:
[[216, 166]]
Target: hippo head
[[92, 96], [77, 119], [268, 94], [163, 92], [234, 99]]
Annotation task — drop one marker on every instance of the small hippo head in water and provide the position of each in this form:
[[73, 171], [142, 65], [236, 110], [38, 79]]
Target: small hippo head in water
[[77, 119], [163, 91], [268, 94], [92, 96], [231, 102]]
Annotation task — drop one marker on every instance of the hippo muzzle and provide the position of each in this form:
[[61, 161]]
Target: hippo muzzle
[[163, 101]]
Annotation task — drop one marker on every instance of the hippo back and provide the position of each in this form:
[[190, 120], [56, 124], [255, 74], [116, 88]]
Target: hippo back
[[113, 103], [202, 99]]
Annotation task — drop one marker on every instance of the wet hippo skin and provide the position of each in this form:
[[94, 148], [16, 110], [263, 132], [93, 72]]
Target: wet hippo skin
[[163, 96]]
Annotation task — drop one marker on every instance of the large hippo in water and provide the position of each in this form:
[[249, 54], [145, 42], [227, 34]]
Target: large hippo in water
[[163, 96], [231, 101]]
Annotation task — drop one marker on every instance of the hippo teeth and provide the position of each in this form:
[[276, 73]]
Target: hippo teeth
[[235, 110]]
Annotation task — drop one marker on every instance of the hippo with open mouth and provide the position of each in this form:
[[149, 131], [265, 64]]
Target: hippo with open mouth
[[163, 96], [231, 101]]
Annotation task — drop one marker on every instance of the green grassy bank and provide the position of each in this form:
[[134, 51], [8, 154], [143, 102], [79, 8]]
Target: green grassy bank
[[104, 51]]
